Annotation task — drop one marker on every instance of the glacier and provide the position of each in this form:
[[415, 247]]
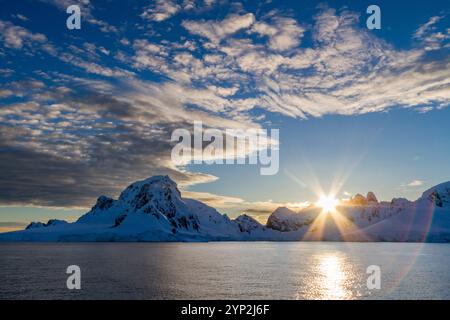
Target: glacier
[[154, 210]]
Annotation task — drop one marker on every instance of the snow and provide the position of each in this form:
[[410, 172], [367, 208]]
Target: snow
[[154, 210], [284, 219]]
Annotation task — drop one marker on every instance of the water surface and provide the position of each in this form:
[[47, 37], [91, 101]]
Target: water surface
[[225, 270]]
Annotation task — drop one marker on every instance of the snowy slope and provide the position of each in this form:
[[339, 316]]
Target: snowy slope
[[154, 210], [366, 219], [147, 210], [426, 219]]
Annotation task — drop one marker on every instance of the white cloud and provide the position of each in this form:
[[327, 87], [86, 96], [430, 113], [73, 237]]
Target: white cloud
[[6, 72], [284, 33], [161, 10], [16, 37], [260, 210], [348, 70], [124, 41], [258, 64], [20, 17], [414, 183], [215, 31], [432, 40], [426, 27], [4, 93]]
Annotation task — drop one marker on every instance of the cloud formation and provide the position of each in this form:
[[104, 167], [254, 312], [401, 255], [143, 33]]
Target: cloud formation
[[105, 118], [161, 10], [16, 37], [414, 183]]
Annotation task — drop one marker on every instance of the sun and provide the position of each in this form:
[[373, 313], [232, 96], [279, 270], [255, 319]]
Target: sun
[[327, 203]]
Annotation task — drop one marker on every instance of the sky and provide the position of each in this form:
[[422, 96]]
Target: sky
[[86, 112]]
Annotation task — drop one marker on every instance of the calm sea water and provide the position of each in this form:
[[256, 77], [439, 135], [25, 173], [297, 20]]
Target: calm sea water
[[225, 270]]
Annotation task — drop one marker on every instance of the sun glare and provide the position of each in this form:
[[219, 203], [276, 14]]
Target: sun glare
[[327, 203]]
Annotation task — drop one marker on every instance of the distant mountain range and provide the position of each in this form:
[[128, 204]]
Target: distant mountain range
[[154, 210]]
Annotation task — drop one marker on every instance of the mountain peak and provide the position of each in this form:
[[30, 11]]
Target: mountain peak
[[371, 197], [143, 191], [153, 210], [246, 223], [103, 203], [358, 199], [51, 222], [439, 195]]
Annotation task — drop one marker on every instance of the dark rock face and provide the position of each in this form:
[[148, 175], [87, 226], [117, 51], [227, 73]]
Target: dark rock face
[[400, 202], [358, 200], [54, 222], [284, 219], [103, 203], [51, 222], [436, 199], [34, 225], [438, 195], [119, 220], [371, 198], [248, 224]]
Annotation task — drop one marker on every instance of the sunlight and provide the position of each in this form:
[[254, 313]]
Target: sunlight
[[327, 203], [347, 229], [333, 277]]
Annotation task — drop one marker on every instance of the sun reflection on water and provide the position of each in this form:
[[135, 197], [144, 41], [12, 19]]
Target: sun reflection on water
[[331, 278]]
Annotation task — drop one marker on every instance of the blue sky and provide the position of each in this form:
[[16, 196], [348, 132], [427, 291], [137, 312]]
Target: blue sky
[[86, 112]]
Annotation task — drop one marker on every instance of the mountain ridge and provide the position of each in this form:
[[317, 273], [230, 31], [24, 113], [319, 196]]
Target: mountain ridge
[[153, 209]]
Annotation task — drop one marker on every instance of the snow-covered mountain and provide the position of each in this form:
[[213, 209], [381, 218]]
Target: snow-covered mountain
[[154, 210], [365, 219]]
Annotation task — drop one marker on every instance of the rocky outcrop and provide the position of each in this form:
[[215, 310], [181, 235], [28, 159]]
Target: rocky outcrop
[[51, 222], [438, 195], [248, 224], [371, 198], [283, 219], [358, 200]]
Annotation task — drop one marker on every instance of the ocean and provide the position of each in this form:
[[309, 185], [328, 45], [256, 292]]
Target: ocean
[[225, 270]]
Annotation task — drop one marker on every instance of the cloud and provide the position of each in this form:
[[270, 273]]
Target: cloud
[[78, 169], [20, 17], [432, 40], [213, 200], [414, 183], [215, 31], [90, 143], [12, 226], [93, 67], [5, 93], [284, 33], [235, 206], [71, 137], [6, 72], [426, 27], [347, 71], [161, 10], [16, 37]]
